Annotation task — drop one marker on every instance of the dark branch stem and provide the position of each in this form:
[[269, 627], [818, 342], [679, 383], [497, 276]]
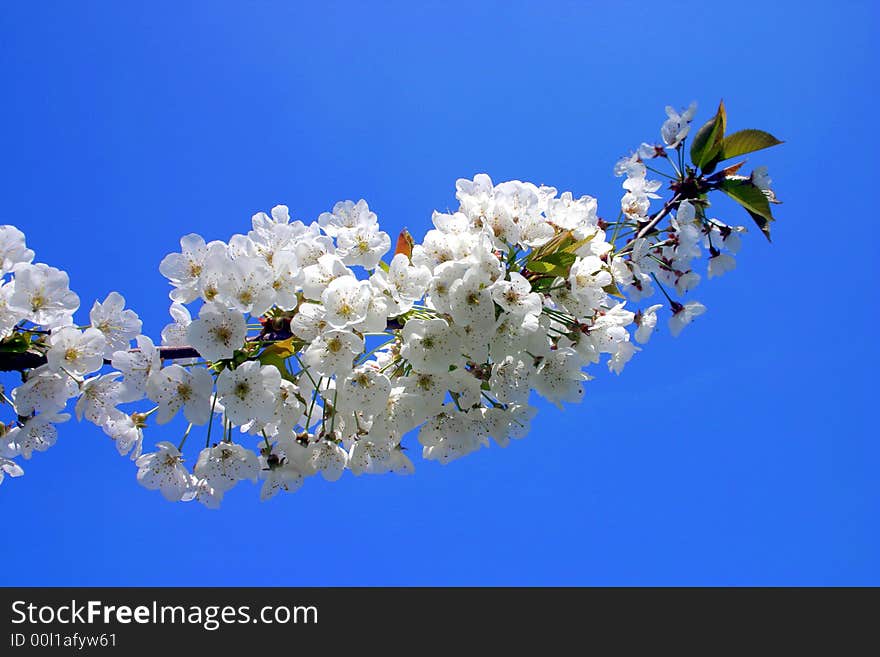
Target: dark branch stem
[[28, 360], [657, 218], [652, 222], [18, 362]]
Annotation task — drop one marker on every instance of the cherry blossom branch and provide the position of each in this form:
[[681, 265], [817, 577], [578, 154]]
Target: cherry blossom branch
[[19, 362], [659, 216], [518, 291], [28, 360]]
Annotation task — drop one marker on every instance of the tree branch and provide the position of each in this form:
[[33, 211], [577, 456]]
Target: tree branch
[[658, 217], [28, 360], [20, 361]]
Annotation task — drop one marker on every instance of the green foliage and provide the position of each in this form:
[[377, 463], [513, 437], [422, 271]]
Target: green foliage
[[711, 146], [708, 141], [753, 199], [17, 343], [554, 264], [746, 141], [277, 354]]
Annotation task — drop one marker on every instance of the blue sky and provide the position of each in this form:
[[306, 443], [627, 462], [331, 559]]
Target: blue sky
[[739, 453]]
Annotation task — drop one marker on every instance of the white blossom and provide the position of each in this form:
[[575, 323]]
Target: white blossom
[[76, 352], [125, 431], [285, 468], [451, 434], [163, 470], [470, 301], [333, 353], [677, 125], [247, 286], [346, 301], [365, 391], [682, 315], [200, 490], [347, 215], [288, 411], [248, 392], [430, 345], [136, 367], [647, 321], [405, 282], [761, 178], [363, 246], [218, 332], [588, 277], [558, 378], [317, 277], [175, 387], [42, 294], [720, 263], [184, 269], [44, 391], [174, 334], [13, 250], [225, 464], [515, 296], [98, 397], [118, 325], [329, 459], [9, 467], [36, 434]]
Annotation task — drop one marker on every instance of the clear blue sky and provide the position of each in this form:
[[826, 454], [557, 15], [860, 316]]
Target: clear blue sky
[[740, 453]]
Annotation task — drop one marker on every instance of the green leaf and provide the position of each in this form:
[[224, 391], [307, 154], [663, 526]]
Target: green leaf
[[15, 344], [543, 284], [557, 243], [746, 141], [555, 264], [276, 354], [752, 199], [283, 348], [575, 246], [707, 142], [761, 222], [278, 362], [613, 290]]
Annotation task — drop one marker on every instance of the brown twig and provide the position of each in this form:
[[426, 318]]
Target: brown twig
[[28, 360], [658, 217]]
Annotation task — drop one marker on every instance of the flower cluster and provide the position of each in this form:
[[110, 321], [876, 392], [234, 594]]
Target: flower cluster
[[36, 318], [303, 349]]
